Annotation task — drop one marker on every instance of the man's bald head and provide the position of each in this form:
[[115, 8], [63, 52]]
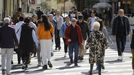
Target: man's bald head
[[121, 12]]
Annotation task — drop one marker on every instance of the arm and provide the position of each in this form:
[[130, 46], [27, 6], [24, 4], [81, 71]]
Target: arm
[[35, 38], [114, 26], [67, 35], [39, 31], [88, 41], [128, 26], [87, 30], [15, 38], [52, 30]]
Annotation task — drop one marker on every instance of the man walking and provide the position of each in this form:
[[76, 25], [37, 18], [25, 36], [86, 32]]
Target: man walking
[[120, 29], [74, 39], [85, 33], [7, 39]]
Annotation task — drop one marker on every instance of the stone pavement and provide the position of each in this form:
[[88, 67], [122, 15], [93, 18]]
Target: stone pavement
[[112, 67]]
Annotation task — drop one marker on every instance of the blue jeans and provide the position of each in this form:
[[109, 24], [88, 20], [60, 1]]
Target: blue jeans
[[73, 47]]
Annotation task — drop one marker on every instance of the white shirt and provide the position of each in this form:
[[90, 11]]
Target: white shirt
[[92, 22], [18, 29]]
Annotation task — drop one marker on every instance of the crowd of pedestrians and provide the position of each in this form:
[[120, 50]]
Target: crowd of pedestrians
[[36, 36]]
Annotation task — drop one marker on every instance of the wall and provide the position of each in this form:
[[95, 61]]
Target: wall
[[1, 8]]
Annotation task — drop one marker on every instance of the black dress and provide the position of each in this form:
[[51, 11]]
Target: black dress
[[26, 45]]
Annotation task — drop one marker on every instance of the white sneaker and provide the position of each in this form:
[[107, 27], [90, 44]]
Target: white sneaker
[[65, 55], [120, 58]]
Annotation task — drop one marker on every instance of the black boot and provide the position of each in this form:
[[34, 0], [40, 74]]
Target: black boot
[[91, 69], [99, 69], [44, 67], [50, 64]]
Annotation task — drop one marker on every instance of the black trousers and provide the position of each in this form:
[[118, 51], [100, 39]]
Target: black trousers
[[25, 57], [121, 42], [65, 45], [57, 39], [18, 55], [99, 68]]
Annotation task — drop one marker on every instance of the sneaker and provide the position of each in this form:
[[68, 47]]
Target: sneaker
[[25, 67], [39, 64], [8, 74], [120, 59], [102, 67], [59, 48], [44, 67], [65, 55], [50, 64], [55, 48], [3, 72], [76, 64]]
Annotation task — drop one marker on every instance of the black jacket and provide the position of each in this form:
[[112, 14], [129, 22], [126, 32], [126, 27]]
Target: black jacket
[[84, 29], [26, 39], [7, 37], [120, 27]]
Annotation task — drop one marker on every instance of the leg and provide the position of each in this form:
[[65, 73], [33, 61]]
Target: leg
[[123, 43], [43, 53], [9, 58], [58, 39], [19, 56], [65, 47], [99, 68], [81, 52], [91, 69], [28, 58], [118, 45], [49, 47], [76, 50], [3, 58], [71, 53], [25, 59], [38, 56]]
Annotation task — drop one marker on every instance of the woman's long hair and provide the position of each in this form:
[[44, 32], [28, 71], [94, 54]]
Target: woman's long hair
[[46, 22]]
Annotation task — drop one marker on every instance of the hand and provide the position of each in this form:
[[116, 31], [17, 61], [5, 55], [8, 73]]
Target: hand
[[86, 46], [52, 54], [69, 40]]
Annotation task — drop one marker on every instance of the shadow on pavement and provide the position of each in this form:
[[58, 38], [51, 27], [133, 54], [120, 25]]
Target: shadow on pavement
[[114, 61], [17, 72], [67, 66], [62, 58], [35, 71], [94, 72], [18, 66]]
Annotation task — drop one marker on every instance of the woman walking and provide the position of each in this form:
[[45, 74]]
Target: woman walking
[[45, 33], [28, 40], [97, 43]]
